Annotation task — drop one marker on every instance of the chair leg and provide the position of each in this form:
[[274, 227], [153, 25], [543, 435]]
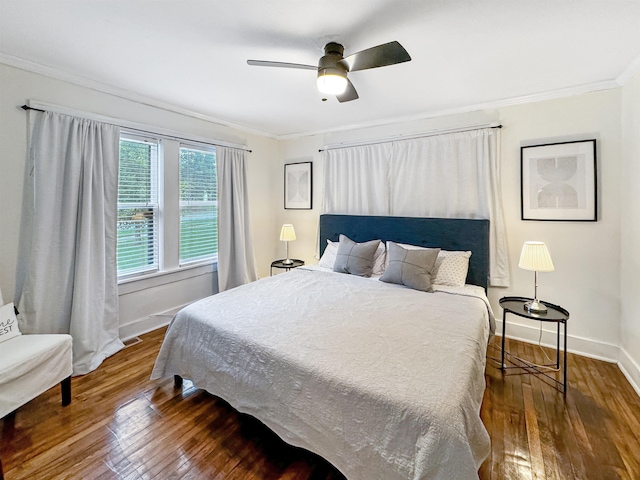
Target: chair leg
[[177, 381], [65, 387]]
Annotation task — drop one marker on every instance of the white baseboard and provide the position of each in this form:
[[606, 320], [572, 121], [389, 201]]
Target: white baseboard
[[147, 324], [581, 346], [578, 345], [630, 369]]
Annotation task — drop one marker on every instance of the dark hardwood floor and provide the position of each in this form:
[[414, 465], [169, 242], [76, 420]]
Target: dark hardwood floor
[[121, 425]]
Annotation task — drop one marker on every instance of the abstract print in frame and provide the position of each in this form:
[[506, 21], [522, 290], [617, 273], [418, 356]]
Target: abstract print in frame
[[559, 181], [298, 193]]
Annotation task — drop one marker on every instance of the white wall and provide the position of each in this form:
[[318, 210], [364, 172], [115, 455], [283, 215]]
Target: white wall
[[586, 254], [630, 229], [18, 86]]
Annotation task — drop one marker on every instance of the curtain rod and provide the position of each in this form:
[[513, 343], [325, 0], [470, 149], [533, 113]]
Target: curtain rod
[[409, 137], [173, 137]]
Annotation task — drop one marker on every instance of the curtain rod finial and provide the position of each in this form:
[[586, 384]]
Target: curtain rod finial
[[27, 107]]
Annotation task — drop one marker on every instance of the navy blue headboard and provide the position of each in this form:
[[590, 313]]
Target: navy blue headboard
[[445, 233]]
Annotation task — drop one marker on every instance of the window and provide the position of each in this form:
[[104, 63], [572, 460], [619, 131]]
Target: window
[[198, 205], [167, 205], [138, 208]]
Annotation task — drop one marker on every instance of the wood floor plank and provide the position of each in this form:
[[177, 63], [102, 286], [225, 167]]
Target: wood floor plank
[[533, 434], [122, 425], [487, 420], [539, 386], [574, 428], [624, 436]]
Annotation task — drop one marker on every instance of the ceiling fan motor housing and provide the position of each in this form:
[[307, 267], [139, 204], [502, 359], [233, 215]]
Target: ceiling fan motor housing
[[331, 63], [333, 47]]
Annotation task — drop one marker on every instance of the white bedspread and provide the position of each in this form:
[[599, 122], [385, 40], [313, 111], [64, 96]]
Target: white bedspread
[[383, 381]]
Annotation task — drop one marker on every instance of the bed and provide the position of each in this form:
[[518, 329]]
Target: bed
[[383, 381]]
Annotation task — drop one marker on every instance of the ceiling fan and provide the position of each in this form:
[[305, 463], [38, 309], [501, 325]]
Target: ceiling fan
[[333, 67]]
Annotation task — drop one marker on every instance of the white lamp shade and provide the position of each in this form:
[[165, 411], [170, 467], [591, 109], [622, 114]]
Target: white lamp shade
[[535, 257], [332, 83], [287, 233]]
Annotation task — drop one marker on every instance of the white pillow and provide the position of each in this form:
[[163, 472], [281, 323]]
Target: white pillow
[[8, 323], [329, 257], [451, 267], [380, 259]]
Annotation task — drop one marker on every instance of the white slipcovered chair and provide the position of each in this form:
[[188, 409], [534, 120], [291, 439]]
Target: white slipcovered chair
[[31, 364]]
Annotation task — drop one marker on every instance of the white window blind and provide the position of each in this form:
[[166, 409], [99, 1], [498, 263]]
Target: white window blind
[[198, 205], [138, 208]]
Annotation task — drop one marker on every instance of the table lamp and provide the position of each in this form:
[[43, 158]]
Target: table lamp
[[287, 234], [535, 257]]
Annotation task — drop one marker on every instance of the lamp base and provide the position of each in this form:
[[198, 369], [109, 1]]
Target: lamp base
[[288, 261], [535, 306]]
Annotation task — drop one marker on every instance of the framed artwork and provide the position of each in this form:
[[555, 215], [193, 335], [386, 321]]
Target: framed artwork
[[558, 181], [298, 191]]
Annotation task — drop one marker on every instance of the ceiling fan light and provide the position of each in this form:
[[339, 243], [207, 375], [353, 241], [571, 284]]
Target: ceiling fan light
[[332, 82]]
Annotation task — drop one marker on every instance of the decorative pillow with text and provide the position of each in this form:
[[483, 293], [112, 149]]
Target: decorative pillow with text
[[8, 322]]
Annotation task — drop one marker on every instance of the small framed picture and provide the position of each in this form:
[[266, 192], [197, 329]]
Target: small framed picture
[[558, 182], [298, 191]]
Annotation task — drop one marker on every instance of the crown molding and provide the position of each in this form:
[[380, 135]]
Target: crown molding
[[632, 69], [81, 81], [501, 103]]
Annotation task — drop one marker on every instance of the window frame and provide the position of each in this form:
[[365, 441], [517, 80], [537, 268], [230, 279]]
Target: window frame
[[154, 204], [194, 203], [168, 213]]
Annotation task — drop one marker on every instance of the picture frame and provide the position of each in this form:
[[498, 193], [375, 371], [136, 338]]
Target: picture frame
[[298, 186], [558, 182]]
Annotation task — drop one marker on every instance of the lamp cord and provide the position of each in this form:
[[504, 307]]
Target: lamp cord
[[546, 367]]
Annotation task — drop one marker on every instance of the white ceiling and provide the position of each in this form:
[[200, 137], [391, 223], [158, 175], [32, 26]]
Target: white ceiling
[[192, 54]]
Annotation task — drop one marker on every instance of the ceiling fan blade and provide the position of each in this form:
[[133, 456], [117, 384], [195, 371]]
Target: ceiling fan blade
[[265, 63], [349, 94], [380, 56]]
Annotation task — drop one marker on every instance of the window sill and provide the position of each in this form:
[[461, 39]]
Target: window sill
[[130, 285]]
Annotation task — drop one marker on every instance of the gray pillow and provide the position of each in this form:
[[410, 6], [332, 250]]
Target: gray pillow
[[410, 267], [355, 258]]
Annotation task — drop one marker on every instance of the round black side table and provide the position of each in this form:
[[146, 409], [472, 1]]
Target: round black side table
[[555, 314], [287, 266]]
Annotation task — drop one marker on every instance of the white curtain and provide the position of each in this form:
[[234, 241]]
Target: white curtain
[[357, 180], [67, 271], [236, 260], [450, 176]]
